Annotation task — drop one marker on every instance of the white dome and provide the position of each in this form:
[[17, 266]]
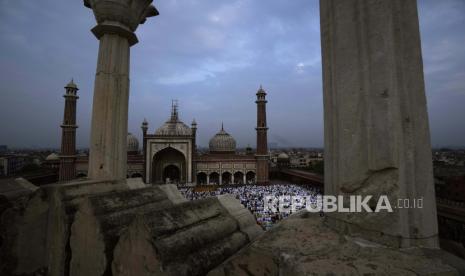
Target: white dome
[[132, 143], [283, 156], [52, 157], [222, 142], [174, 128]]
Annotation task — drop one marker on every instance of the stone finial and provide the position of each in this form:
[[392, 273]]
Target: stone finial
[[145, 125], [120, 16], [261, 91], [72, 85]]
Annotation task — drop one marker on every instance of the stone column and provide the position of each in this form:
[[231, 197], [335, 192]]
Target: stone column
[[376, 124], [245, 179], [232, 178], [220, 179], [117, 20], [208, 179]]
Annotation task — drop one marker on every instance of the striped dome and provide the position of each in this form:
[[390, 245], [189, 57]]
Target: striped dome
[[133, 143], [222, 142]]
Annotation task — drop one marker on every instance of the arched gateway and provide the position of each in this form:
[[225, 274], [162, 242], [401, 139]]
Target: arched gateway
[[169, 166], [169, 151]]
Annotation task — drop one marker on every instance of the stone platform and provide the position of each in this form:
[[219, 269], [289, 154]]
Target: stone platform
[[304, 245], [120, 228]]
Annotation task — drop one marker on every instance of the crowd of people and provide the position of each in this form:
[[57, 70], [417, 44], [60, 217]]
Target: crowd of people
[[253, 197]]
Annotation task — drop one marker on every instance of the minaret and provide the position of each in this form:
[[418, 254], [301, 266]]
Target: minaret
[[262, 155], [194, 149], [144, 127], [68, 138]]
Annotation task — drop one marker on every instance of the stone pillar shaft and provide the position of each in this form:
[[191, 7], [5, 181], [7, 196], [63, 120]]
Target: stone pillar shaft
[[117, 20], [108, 153], [376, 123]]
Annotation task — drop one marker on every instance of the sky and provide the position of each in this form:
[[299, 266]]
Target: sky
[[212, 56]]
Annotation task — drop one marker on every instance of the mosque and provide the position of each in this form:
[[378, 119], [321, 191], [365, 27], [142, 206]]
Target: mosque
[[169, 155]]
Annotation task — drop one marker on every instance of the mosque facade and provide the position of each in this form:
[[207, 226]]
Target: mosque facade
[[171, 156]]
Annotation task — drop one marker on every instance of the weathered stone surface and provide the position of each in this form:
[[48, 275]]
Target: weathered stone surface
[[246, 220], [173, 193], [99, 222], [376, 123], [12, 188], [136, 183], [37, 227], [12, 255], [14, 195], [304, 245], [64, 201], [121, 17], [190, 238], [134, 254]]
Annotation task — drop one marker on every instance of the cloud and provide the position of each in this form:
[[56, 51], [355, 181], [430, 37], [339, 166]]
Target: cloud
[[211, 55], [186, 77]]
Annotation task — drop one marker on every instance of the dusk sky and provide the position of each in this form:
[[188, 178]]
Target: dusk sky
[[212, 56]]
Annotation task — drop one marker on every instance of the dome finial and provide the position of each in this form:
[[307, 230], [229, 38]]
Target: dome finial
[[222, 142], [72, 85], [174, 110], [174, 127]]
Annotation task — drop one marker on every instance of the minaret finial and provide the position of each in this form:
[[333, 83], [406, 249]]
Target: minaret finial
[[222, 128]]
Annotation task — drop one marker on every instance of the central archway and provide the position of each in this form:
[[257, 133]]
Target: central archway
[[169, 165]]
